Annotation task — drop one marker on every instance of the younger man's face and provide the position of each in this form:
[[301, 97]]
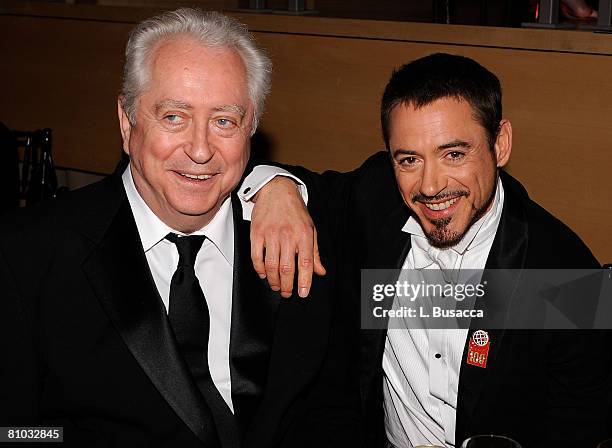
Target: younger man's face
[[444, 168]]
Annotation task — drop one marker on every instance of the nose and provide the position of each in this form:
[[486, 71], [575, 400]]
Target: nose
[[200, 148], [433, 180]]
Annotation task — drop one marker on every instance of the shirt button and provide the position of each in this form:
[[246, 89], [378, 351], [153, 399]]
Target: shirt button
[[438, 355]]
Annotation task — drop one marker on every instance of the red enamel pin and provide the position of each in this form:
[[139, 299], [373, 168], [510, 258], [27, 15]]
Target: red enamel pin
[[478, 350]]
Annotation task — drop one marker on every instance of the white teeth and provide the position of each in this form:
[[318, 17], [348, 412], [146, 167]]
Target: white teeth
[[201, 177], [442, 205]]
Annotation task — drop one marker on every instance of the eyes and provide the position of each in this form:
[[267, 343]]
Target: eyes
[[225, 126], [225, 123], [407, 162], [455, 155], [173, 119]]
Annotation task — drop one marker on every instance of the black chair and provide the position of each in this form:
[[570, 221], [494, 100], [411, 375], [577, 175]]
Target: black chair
[[38, 177], [9, 170], [36, 180]]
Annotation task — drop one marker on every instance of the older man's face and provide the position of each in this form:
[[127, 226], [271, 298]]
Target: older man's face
[[190, 143], [444, 167]]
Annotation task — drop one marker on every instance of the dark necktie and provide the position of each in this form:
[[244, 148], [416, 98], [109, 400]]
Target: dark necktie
[[190, 321], [188, 311]]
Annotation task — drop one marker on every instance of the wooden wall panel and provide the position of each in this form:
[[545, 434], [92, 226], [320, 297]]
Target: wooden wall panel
[[65, 73], [323, 113], [218, 5]]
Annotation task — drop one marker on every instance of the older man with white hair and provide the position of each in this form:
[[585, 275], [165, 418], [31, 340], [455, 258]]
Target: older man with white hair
[[132, 315]]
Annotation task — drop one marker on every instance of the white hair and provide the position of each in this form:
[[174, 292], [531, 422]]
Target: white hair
[[211, 29]]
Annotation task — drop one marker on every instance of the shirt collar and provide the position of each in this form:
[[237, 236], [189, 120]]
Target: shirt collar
[[219, 231], [480, 232]]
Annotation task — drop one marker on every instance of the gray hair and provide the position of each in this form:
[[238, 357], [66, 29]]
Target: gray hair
[[211, 29]]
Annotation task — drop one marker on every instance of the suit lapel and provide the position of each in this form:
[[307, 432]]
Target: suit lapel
[[119, 275], [254, 309], [389, 252], [508, 252]]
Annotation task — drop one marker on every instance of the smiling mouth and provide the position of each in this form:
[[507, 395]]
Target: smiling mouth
[[197, 176], [440, 205]]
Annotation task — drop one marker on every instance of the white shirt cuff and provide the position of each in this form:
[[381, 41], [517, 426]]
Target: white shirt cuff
[[258, 178]]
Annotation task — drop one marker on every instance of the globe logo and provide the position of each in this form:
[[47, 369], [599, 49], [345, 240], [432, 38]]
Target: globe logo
[[480, 338]]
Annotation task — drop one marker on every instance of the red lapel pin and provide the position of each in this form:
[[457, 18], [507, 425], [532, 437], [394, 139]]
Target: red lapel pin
[[478, 349]]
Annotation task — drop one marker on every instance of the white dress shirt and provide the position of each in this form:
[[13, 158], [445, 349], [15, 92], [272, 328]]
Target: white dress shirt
[[213, 267], [420, 390]]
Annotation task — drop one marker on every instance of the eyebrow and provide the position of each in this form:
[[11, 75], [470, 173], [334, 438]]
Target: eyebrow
[[454, 144], [235, 108], [172, 104], [404, 152], [177, 104]]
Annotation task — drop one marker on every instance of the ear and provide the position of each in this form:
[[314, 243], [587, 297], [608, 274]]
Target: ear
[[503, 143], [124, 125]]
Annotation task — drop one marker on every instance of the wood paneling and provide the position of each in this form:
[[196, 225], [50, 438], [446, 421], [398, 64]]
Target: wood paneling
[[204, 4], [323, 113], [65, 75], [329, 74], [455, 35]]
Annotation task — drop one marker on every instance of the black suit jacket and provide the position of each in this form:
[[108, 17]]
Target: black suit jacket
[[91, 349], [542, 388]]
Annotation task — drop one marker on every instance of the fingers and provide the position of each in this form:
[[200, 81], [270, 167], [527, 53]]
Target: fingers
[[280, 256], [287, 265], [281, 228], [272, 264], [305, 253], [257, 254], [280, 260]]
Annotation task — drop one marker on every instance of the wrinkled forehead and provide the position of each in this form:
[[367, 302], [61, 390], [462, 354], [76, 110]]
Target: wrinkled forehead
[[184, 70]]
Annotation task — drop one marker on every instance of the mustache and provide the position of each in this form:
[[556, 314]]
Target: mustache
[[440, 196]]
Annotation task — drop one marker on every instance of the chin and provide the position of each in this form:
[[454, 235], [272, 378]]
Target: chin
[[193, 209], [446, 241], [441, 236], [198, 211]]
